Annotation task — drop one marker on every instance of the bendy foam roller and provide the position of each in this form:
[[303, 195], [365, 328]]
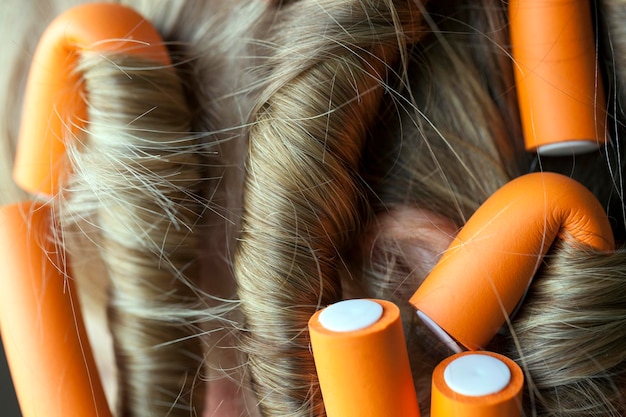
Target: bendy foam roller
[[45, 341], [361, 360], [477, 384], [488, 267], [559, 87], [55, 108]]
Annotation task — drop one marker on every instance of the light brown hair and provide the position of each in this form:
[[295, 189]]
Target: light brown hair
[[307, 151]]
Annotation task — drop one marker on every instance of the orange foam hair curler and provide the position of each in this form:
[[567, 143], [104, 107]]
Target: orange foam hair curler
[[46, 345], [54, 103], [477, 384], [361, 360], [484, 273], [559, 87]]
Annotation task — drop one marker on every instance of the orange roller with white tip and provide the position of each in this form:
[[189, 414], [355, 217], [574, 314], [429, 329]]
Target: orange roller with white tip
[[486, 270], [49, 356], [477, 384], [559, 88], [361, 360], [54, 104]]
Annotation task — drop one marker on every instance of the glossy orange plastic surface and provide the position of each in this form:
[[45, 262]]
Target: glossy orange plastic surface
[[47, 349], [365, 373], [54, 103], [558, 84], [486, 270]]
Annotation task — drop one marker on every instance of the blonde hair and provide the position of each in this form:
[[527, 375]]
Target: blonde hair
[[135, 194], [143, 191], [354, 110], [301, 196], [447, 156]]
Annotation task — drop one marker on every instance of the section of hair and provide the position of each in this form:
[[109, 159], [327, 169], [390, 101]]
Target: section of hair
[[612, 41], [442, 149], [330, 63], [447, 155], [569, 335], [454, 138], [135, 197], [611, 15], [440, 134]]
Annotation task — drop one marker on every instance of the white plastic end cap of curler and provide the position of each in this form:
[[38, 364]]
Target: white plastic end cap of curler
[[350, 315], [477, 375], [439, 332], [569, 148]]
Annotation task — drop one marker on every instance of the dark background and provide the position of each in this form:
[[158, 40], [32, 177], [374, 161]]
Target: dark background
[[8, 401]]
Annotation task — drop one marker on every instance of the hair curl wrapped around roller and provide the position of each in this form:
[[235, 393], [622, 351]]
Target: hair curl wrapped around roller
[[486, 270], [434, 165], [374, 138], [103, 94], [301, 194]]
